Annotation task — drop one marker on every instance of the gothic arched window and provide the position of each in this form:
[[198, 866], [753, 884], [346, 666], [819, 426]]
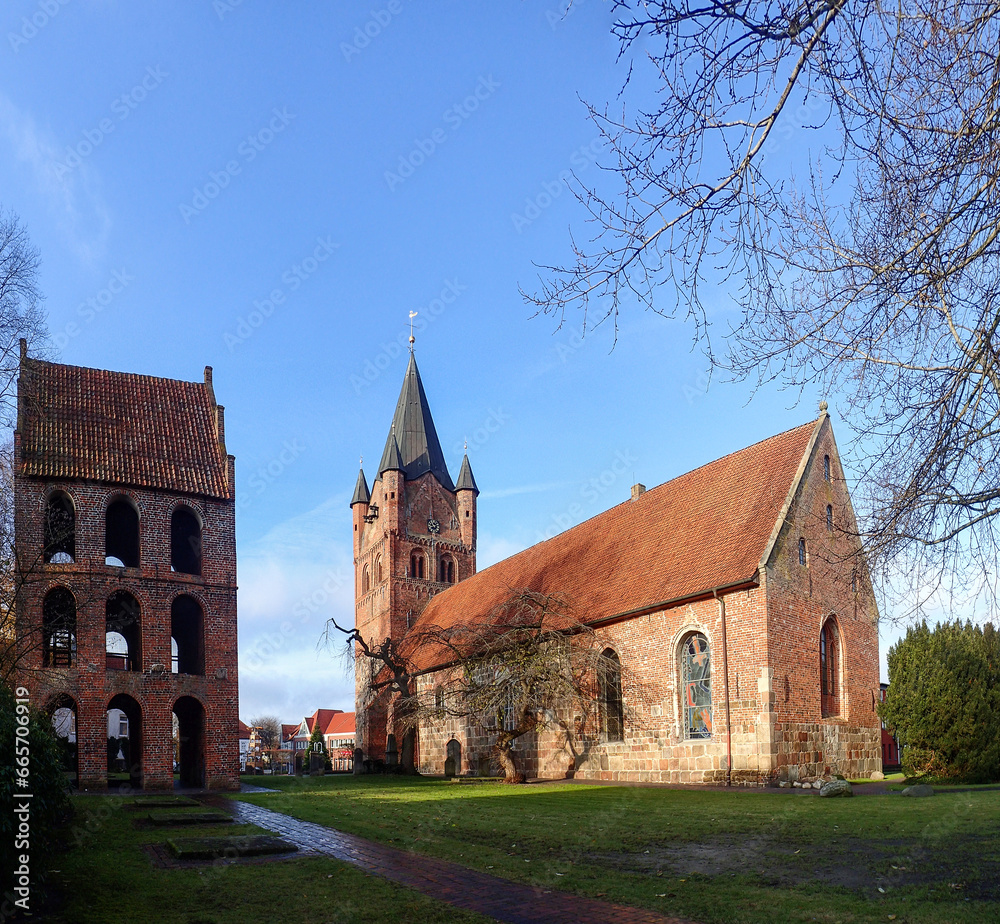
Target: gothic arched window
[[610, 696], [829, 669], [365, 580], [696, 686]]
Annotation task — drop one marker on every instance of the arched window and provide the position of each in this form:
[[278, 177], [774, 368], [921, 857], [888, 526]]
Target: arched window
[[829, 669], [185, 541], [446, 570], [123, 633], [121, 536], [802, 552], [696, 686], [59, 628], [365, 580], [378, 569], [60, 529], [826, 467], [417, 565], [187, 632], [610, 696], [829, 517]]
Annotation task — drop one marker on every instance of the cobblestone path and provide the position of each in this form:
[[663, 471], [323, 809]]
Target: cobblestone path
[[501, 899]]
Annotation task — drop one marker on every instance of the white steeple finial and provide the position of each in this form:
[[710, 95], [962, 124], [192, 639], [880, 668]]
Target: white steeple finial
[[413, 314]]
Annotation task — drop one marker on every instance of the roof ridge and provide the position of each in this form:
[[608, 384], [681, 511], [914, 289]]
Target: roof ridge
[[135, 375]]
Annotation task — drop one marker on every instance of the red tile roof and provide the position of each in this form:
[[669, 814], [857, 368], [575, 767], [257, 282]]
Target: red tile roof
[[706, 529], [244, 729], [288, 731], [341, 724], [118, 427], [323, 716]]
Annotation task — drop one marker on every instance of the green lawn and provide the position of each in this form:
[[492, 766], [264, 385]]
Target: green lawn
[[107, 878], [711, 856]]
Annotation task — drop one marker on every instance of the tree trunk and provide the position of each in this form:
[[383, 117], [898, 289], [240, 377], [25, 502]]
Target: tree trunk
[[502, 750]]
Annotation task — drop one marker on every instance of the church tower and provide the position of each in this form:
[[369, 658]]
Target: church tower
[[414, 536]]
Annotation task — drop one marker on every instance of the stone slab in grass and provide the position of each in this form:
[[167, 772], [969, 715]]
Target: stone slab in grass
[[229, 848], [164, 802], [190, 818]]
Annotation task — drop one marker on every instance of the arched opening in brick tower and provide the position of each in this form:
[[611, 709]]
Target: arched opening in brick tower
[[185, 541], [121, 534], [189, 743], [187, 636], [124, 743], [62, 711], [59, 628], [60, 530], [123, 633]]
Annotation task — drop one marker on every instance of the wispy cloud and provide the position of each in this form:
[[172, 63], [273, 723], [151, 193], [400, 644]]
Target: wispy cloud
[[74, 197]]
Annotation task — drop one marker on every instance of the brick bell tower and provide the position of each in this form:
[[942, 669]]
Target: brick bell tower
[[414, 536]]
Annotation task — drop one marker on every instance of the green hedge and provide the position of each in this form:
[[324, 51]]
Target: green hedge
[[943, 702]]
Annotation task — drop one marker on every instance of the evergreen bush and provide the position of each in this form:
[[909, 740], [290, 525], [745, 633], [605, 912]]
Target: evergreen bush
[[943, 702]]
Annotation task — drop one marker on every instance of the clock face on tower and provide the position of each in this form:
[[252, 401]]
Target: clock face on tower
[[433, 526]]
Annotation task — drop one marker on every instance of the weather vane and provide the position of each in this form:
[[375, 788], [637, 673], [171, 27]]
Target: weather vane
[[413, 314]]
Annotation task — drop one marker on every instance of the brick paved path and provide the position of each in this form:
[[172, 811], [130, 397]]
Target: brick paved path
[[502, 899]]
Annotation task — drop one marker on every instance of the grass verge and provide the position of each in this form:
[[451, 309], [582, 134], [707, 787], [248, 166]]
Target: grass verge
[[711, 856], [106, 877]]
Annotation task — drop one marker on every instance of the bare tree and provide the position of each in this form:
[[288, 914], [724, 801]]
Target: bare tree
[[527, 665], [268, 736], [874, 278]]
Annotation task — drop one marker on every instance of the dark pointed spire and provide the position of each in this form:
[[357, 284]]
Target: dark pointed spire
[[412, 439], [465, 480], [361, 493], [392, 461]]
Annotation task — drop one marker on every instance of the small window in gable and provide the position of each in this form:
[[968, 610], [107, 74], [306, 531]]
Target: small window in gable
[[826, 467], [803, 560], [829, 517]]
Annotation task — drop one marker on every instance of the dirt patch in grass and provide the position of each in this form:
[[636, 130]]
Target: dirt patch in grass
[[969, 866]]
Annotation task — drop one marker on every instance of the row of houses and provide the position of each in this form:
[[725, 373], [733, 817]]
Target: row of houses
[[289, 756]]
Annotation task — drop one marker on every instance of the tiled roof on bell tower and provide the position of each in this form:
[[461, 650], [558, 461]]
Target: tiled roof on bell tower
[[413, 433], [121, 428]]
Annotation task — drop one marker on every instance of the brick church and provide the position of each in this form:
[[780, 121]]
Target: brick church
[[124, 507], [732, 603]]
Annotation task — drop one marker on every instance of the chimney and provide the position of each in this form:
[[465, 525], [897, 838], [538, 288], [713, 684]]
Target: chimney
[[638, 489], [208, 375]]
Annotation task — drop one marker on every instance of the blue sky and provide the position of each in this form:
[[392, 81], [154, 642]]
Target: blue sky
[[271, 189]]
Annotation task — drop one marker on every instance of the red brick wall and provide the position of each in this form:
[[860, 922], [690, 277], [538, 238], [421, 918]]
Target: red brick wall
[[154, 586], [833, 584]]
